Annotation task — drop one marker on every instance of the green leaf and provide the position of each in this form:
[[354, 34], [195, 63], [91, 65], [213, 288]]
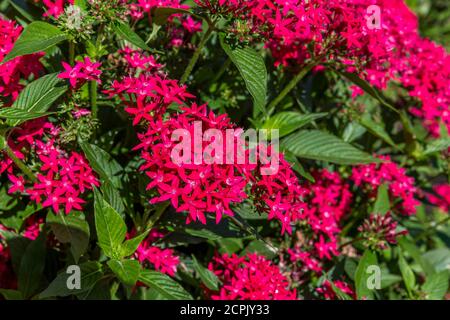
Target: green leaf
[[2, 142], [437, 259], [367, 87], [32, 267], [18, 116], [71, 229], [361, 275], [103, 163], [36, 37], [288, 122], [11, 294], [130, 246], [382, 204], [409, 246], [207, 276], [91, 273], [111, 229], [437, 145], [260, 247], [319, 145], [81, 3], [126, 270], [112, 196], [253, 70], [165, 285], [377, 130], [125, 32], [297, 166], [40, 94], [436, 286], [408, 275]]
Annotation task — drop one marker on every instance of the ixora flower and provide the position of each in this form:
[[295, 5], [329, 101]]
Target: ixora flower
[[251, 277]]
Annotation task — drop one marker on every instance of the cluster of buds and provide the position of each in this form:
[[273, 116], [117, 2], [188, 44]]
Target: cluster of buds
[[76, 22], [380, 230]]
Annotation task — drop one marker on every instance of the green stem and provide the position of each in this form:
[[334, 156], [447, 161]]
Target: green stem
[[71, 53], [196, 55], [93, 95], [222, 70], [158, 213], [22, 166], [291, 85]]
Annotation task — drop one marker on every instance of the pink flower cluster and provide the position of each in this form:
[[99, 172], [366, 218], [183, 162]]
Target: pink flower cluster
[[336, 32], [19, 68], [83, 71], [63, 176], [250, 277], [401, 187], [151, 93], [280, 195], [195, 188], [54, 7], [163, 260], [327, 201], [137, 60], [198, 188], [441, 198]]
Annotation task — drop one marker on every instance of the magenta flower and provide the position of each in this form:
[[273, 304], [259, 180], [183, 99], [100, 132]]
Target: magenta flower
[[82, 71]]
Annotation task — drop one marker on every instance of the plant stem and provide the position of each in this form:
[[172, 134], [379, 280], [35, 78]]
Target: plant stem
[[196, 55], [22, 166], [93, 96], [71, 53], [158, 213], [291, 85], [350, 242], [222, 70]]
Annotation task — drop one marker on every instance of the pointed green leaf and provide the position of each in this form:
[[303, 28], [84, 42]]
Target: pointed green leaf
[[40, 94], [253, 70], [362, 275], [71, 229], [32, 267], [382, 204], [36, 37], [408, 275], [125, 32], [165, 285], [207, 276], [436, 286], [288, 122], [102, 163], [319, 145], [126, 270], [111, 229], [91, 273]]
